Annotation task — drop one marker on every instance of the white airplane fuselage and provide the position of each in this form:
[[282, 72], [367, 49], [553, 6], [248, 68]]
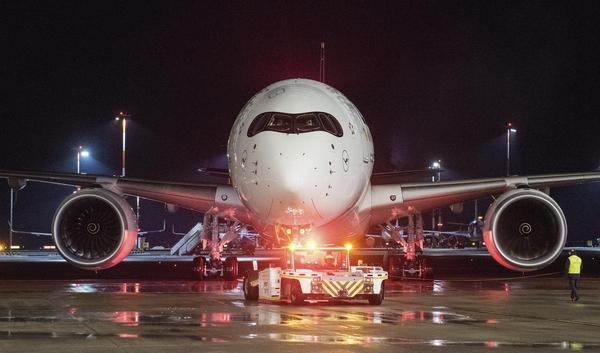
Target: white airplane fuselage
[[300, 157]]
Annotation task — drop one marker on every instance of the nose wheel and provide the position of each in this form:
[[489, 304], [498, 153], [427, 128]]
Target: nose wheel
[[230, 269]]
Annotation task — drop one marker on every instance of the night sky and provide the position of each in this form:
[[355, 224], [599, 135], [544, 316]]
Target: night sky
[[433, 80]]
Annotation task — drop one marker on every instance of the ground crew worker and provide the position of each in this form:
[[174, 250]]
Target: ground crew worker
[[573, 268], [329, 261]]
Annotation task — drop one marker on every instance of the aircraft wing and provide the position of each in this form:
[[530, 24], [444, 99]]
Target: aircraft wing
[[199, 197], [394, 200], [217, 172], [403, 176]]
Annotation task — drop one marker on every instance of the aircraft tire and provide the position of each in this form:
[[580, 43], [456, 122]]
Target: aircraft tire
[[395, 266], [427, 271], [199, 266], [250, 292], [230, 272]]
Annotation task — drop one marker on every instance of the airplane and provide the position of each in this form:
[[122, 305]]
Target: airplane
[[300, 161]]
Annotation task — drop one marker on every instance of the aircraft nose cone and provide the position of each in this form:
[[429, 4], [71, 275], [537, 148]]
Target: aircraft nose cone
[[293, 181], [292, 174], [290, 184]]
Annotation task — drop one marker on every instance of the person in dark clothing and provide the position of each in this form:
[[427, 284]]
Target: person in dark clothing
[[573, 267]]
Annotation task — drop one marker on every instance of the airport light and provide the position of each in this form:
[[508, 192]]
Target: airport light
[[509, 129], [81, 153], [436, 165], [122, 117]]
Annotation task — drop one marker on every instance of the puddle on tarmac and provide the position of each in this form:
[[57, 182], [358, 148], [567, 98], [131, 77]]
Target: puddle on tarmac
[[265, 317], [154, 287], [290, 337], [437, 287], [41, 335], [391, 318], [360, 340], [260, 317]]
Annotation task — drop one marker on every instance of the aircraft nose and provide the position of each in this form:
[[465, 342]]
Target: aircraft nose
[[292, 176], [291, 179]]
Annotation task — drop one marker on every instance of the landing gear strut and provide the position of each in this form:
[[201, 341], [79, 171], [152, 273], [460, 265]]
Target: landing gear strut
[[213, 266], [412, 263]]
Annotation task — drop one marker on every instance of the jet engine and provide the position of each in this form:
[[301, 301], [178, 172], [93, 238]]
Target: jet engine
[[94, 229], [524, 230]]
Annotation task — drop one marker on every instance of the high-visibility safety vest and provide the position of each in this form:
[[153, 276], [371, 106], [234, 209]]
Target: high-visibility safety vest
[[574, 265]]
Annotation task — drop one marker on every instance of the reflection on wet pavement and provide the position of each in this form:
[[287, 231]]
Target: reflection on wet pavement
[[300, 338], [376, 317], [469, 314], [433, 287], [291, 337], [155, 287]]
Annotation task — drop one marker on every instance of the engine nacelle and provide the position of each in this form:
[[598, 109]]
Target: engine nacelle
[[94, 229], [524, 230]]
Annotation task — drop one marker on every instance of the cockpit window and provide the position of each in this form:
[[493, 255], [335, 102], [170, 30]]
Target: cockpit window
[[307, 122], [280, 122], [295, 123], [330, 124]]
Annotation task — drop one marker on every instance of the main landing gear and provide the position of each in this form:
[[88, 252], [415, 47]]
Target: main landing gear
[[401, 266], [216, 268], [411, 263]]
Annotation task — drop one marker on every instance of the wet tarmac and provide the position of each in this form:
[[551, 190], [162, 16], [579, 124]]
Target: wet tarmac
[[517, 315]]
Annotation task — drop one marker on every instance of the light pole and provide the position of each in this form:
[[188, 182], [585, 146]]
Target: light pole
[[509, 129], [81, 153], [436, 165], [123, 118]]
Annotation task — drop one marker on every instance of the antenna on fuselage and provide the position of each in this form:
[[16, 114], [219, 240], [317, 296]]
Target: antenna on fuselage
[[322, 63]]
